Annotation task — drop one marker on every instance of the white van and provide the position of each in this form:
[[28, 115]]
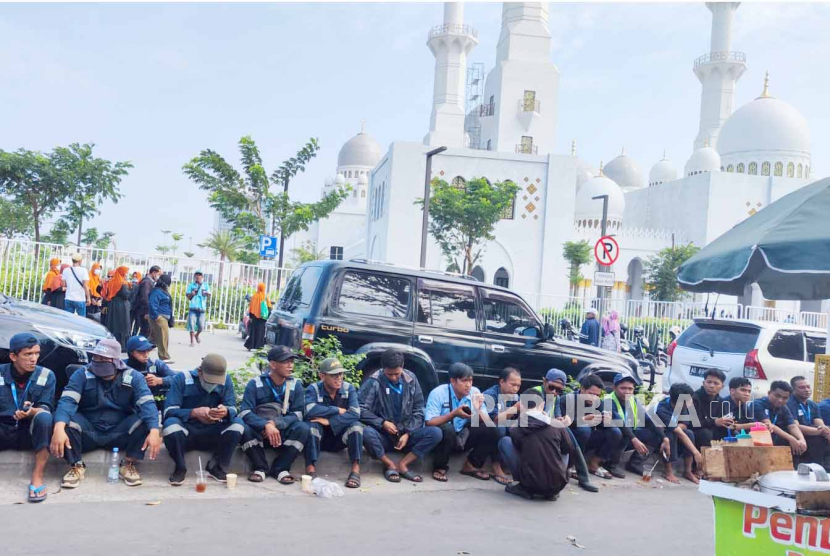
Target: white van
[[761, 351]]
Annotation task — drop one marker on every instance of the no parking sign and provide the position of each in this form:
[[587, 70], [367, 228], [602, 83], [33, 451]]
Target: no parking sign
[[606, 251]]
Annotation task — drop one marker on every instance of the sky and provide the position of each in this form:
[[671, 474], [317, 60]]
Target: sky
[[157, 83]]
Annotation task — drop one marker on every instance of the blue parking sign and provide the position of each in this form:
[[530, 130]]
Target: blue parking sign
[[267, 246]]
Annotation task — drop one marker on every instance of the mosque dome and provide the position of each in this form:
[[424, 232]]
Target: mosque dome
[[705, 159], [625, 172], [584, 172], [329, 182], [363, 179], [766, 130], [588, 211], [360, 150], [662, 172], [340, 179]]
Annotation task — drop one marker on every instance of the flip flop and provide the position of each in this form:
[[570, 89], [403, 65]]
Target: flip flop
[[477, 474], [392, 475], [257, 476], [37, 493], [500, 479], [410, 476], [353, 480], [285, 478], [602, 473], [440, 475]]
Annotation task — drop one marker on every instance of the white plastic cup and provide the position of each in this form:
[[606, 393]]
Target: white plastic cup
[[231, 478], [306, 483]]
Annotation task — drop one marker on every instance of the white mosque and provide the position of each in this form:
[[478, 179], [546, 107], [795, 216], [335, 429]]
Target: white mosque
[[741, 161]]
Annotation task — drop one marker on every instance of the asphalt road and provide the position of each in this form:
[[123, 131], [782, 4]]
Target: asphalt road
[[645, 521]]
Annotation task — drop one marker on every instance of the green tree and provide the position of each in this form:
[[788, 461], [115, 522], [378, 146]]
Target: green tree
[[189, 254], [306, 253], [91, 182], [15, 219], [59, 233], [225, 245], [577, 253], [660, 272], [176, 239], [461, 221]]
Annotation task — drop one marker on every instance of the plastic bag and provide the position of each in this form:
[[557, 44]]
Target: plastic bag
[[326, 489]]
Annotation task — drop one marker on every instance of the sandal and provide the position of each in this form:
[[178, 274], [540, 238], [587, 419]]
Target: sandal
[[440, 475], [602, 473], [392, 475], [477, 474], [410, 476], [500, 479], [285, 478], [37, 494], [353, 480], [257, 476]]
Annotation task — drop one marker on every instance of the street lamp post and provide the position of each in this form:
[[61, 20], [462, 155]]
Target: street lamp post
[[600, 289], [425, 221]]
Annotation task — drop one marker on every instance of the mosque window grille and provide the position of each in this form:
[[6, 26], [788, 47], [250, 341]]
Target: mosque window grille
[[779, 169], [730, 168], [765, 169], [790, 170], [753, 169], [800, 170], [459, 183], [740, 168]]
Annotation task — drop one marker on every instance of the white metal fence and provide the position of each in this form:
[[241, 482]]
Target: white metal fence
[[23, 265]]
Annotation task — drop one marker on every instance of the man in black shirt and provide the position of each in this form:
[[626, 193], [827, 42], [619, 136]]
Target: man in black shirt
[[708, 407], [736, 410]]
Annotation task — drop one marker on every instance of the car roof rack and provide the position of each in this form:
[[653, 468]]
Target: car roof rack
[[424, 270]]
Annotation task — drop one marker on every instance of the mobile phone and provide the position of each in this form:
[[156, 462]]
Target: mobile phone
[[466, 409]]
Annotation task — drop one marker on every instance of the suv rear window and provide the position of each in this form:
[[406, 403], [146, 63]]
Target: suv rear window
[[719, 337], [787, 344], [379, 295], [300, 290]]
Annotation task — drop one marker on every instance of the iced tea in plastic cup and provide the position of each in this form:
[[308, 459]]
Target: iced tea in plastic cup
[[201, 481]]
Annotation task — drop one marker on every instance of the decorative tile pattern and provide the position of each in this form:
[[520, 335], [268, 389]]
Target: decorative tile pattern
[[538, 180], [752, 212], [524, 216], [524, 197], [530, 207], [527, 179], [442, 172], [536, 217], [536, 198], [532, 189]]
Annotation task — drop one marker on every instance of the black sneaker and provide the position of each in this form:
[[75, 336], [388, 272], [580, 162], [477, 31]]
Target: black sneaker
[[216, 473], [518, 490], [616, 472], [177, 478]]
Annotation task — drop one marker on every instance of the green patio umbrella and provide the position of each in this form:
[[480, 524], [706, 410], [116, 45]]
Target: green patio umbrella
[[785, 248]]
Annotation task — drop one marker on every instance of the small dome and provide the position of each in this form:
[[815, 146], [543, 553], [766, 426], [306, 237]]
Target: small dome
[[360, 150], [340, 179], [625, 172], [705, 159], [590, 210], [662, 172], [766, 129], [363, 179]]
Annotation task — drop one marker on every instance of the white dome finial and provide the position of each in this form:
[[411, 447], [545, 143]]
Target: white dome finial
[[765, 92], [573, 147]]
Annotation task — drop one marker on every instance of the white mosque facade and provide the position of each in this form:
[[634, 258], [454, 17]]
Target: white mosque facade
[[741, 161]]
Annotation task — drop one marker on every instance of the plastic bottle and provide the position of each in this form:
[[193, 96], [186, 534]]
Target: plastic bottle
[[745, 439], [760, 435], [112, 474]]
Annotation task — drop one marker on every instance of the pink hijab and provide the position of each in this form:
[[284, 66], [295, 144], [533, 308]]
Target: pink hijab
[[611, 323]]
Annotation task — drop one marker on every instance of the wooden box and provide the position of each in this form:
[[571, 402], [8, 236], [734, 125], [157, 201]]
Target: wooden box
[[713, 465], [735, 464]]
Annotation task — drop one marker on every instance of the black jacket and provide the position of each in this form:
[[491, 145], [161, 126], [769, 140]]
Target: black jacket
[[708, 408], [376, 407], [542, 448], [141, 303]]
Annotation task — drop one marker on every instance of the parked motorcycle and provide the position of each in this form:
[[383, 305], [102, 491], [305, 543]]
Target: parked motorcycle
[[245, 323], [637, 348], [568, 331]]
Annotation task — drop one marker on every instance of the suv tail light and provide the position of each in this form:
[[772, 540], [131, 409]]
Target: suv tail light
[[752, 367], [670, 350], [308, 332]]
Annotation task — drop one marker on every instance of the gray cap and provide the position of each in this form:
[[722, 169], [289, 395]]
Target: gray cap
[[214, 368], [110, 349], [331, 366]]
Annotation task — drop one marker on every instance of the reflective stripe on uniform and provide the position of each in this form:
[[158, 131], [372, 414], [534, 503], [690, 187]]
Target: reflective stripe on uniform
[[188, 378], [74, 425], [236, 427], [354, 428], [315, 432], [355, 410], [171, 429], [296, 444], [299, 415], [144, 399], [309, 407], [250, 444], [166, 409], [135, 426], [244, 413], [258, 382], [72, 395]]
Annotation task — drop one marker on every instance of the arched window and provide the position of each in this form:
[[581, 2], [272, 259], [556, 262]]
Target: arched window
[[596, 223], [478, 274], [800, 170], [590, 223], [354, 193], [765, 169], [753, 168], [363, 194], [501, 278], [459, 183], [790, 170], [740, 168], [779, 169], [729, 168]]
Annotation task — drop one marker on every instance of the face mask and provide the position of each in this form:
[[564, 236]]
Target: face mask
[[97, 272], [102, 369], [207, 386]]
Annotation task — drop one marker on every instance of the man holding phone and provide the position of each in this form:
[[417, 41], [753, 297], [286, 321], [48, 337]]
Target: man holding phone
[[200, 413]]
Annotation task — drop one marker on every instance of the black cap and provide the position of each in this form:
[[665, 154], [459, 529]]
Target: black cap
[[280, 354]]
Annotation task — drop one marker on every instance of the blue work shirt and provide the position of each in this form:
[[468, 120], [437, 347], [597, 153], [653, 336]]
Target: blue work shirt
[[105, 403], [780, 417], [824, 410], [261, 392], [197, 302], [442, 400], [589, 334], [805, 413], [186, 394], [39, 390], [160, 304], [154, 367], [319, 405], [497, 405]]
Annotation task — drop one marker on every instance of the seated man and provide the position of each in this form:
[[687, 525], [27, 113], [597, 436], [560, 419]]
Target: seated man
[[199, 414], [392, 413], [332, 410], [635, 426], [708, 408], [503, 407], [535, 453], [808, 417], [272, 408], [583, 408], [105, 405], [451, 407], [551, 389], [736, 409], [680, 432], [772, 411], [26, 411], [155, 371]]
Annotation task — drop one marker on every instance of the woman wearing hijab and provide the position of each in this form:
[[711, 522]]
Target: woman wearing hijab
[[52, 284], [59, 292], [611, 332], [258, 309], [118, 310], [93, 310], [160, 313]]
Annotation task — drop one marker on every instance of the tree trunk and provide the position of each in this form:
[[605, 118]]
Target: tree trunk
[[37, 229], [80, 228]]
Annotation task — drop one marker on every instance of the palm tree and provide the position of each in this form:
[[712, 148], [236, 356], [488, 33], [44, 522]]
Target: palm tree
[[225, 245]]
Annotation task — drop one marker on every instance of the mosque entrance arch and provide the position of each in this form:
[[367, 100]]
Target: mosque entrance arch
[[501, 278], [635, 282], [478, 274]]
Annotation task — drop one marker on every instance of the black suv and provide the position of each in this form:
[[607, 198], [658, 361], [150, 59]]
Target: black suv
[[436, 319]]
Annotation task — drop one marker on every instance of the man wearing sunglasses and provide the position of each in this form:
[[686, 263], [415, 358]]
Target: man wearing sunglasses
[[552, 388]]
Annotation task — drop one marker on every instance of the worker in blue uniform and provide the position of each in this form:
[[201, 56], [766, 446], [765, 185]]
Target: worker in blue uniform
[[155, 371], [105, 404], [27, 391], [200, 413]]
